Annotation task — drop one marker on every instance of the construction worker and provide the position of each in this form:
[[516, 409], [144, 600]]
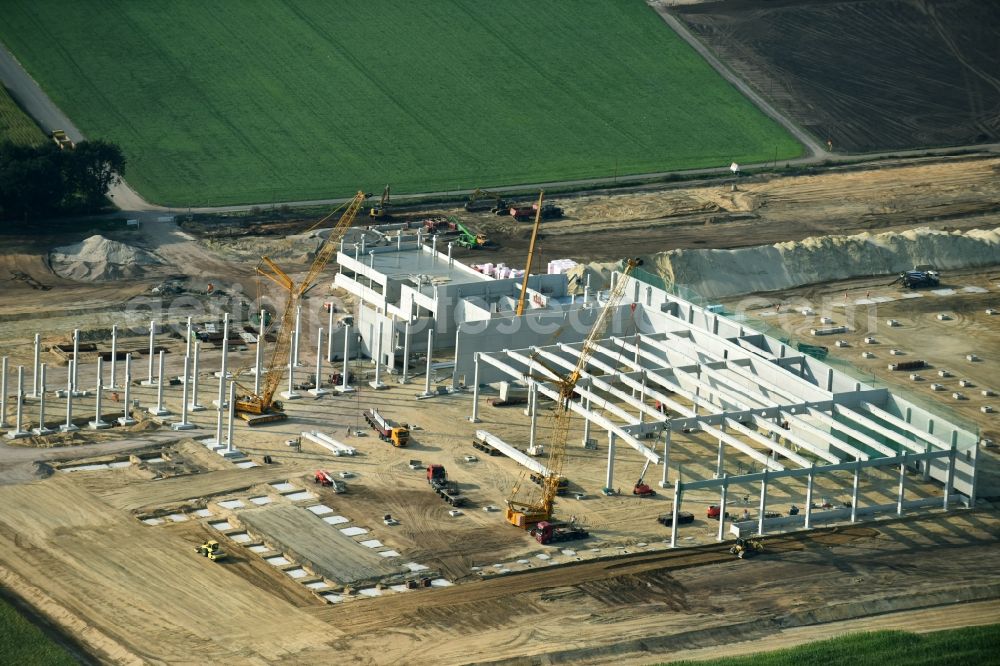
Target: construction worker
[[114, 396]]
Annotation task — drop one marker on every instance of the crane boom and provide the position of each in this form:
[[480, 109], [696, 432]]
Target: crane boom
[[261, 408], [531, 255], [525, 513]]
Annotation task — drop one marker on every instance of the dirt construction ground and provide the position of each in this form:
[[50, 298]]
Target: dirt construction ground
[[105, 551]]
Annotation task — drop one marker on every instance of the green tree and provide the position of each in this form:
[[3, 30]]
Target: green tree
[[93, 167]]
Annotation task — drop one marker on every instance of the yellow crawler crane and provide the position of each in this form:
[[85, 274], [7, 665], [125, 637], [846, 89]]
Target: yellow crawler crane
[[263, 408], [525, 513]]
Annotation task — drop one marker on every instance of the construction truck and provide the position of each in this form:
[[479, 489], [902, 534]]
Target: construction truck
[[921, 276], [325, 479], [527, 512], [258, 408], [744, 547], [562, 484], [381, 211], [486, 200], [447, 490], [642, 488], [547, 532], [388, 431], [211, 549], [470, 240], [683, 517], [547, 211]]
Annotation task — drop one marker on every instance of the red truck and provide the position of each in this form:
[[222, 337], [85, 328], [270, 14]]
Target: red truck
[[447, 490], [546, 532]]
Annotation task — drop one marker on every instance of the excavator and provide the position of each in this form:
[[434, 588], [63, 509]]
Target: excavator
[[526, 513], [260, 408], [381, 212], [486, 200]]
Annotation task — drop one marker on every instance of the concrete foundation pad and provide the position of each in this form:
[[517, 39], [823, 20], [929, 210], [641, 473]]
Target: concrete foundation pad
[[98, 425], [472, 420], [218, 375], [149, 382], [225, 404], [345, 389], [291, 395], [71, 428], [17, 434], [122, 420], [378, 386], [196, 408], [42, 431], [225, 453], [153, 411], [183, 426], [318, 392]]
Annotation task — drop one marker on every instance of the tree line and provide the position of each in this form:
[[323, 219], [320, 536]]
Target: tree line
[[46, 181]]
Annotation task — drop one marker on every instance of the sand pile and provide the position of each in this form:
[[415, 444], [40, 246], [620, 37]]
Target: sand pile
[[720, 273], [98, 258]]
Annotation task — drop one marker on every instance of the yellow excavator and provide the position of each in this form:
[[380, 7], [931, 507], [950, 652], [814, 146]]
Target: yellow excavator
[[486, 200], [526, 513], [260, 408], [381, 212]]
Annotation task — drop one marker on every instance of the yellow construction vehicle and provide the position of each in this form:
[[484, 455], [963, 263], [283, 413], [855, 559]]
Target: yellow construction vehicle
[[525, 513], [381, 212], [744, 547], [263, 408], [486, 200], [211, 549], [531, 255]]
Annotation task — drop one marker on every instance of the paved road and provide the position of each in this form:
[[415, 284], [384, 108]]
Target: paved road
[[33, 99], [17, 463]]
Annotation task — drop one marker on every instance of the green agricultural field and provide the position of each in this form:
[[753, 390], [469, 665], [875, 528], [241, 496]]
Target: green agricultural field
[[14, 125], [259, 100], [971, 645], [23, 643]]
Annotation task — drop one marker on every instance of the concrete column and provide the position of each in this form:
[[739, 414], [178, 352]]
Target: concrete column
[[722, 508], [152, 345], [195, 406], [188, 336], [674, 511], [529, 409], [329, 335], [927, 462], [68, 426], [159, 410], [533, 423], [586, 422], [763, 504], [259, 368], [642, 399], [41, 429], [35, 370], [98, 423], [344, 385], [223, 370], [76, 357], [451, 262], [720, 458], [901, 493], [666, 456], [232, 417], [854, 491], [290, 394], [3, 392], [298, 335], [475, 391], [454, 374], [17, 433], [399, 240], [809, 495], [127, 419], [318, 390], [427, 377], [950, 480], [377, 382], [609, 479], [405, 379], [114, 358], [183, 423]]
